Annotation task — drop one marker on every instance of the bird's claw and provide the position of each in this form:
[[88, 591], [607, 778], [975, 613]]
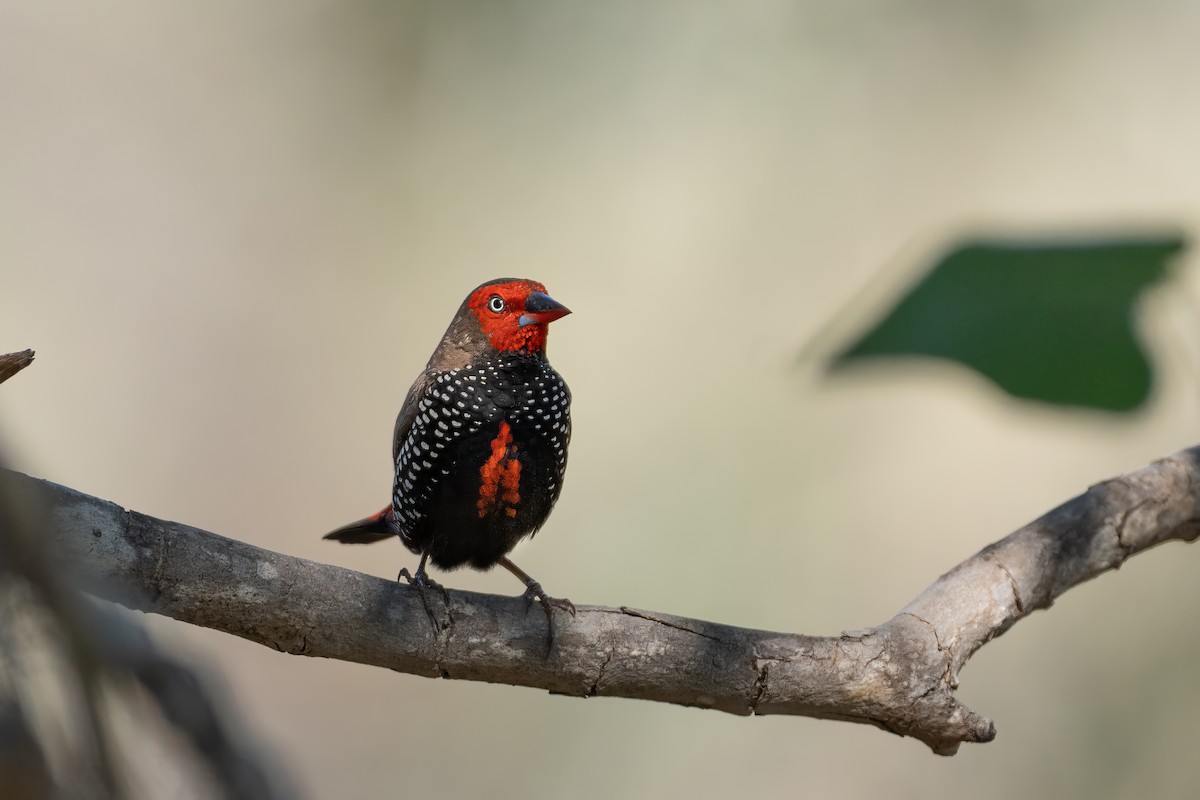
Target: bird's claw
[[423, 582], [534, 591]]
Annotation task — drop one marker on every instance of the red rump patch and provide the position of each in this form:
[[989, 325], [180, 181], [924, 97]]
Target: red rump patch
[[500, 476], [503, 328]]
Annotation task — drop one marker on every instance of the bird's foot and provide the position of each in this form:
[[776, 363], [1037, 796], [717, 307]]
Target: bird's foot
[[423, 583], [534, 591]]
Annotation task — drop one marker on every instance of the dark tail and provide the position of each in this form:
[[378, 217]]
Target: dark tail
[[371, 529]]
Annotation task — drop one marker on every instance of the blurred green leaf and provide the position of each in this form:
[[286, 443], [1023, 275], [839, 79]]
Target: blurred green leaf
[[1047, 321]]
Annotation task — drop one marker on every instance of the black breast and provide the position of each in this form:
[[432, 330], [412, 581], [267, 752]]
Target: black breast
[[483, 463]]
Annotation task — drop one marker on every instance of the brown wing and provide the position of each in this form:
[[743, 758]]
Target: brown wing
[[408, 412], [460, 345]]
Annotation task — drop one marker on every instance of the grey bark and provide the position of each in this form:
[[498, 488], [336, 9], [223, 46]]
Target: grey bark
[[12, 363], [103, 655], [900, 676]]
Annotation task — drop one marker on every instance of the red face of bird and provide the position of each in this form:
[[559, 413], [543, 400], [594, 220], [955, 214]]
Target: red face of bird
[[514, 314]]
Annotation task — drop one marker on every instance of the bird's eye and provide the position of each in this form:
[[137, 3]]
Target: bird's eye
[[495, 304]]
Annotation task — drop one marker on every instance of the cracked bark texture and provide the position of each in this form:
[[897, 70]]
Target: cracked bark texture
[[900, 676], [12, 363]]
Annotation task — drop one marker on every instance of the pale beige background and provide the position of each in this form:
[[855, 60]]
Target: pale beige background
[[234, 231]]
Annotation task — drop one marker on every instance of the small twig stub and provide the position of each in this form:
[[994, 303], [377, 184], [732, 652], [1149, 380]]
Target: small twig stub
[[12, 363]]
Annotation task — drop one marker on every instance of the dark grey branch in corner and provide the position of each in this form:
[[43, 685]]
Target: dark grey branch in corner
[[900, 676], [12, 363]]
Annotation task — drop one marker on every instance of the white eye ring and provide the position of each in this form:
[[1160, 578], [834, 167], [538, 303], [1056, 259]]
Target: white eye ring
[[495, 304]]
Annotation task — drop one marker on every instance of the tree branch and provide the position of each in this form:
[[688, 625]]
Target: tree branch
[[12, 363], [103, 655], [900, 676]]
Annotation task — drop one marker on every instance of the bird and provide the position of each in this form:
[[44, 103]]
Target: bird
[[479, 448]]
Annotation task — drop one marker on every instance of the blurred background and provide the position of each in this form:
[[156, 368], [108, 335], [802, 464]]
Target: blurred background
[[234, 232]]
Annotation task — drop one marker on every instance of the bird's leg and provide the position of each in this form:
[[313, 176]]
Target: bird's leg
[[422, 581], [533, 590]]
